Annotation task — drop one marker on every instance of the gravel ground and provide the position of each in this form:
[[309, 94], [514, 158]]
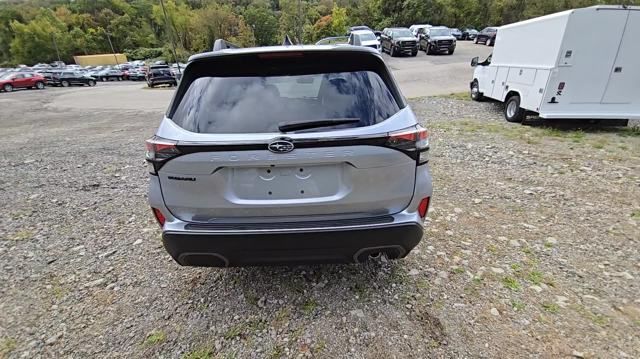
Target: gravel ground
[[532, 249]]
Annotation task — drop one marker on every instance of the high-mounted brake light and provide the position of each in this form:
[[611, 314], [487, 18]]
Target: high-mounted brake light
[[160, 150], [280, 55], [412, 139]]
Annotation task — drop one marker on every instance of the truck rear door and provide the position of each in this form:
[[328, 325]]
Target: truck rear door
[[624, 81]]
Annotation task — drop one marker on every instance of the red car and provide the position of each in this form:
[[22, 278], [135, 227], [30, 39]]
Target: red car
[[15, 80]]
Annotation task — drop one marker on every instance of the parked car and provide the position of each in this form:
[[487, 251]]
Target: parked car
[[135, 75], [358, 28], [568, 78], [487, 36], [398, 40], [70, 78], [437, 39], [108, 75], [469, 34], [418, 29], [364, 38], [290, 154], [455, 32], [160, 75], [16, 80]]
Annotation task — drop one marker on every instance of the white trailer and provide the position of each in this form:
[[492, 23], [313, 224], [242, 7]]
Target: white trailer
[[576, 64]]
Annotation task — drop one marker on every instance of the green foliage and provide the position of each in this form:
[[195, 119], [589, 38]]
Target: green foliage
[[31, 29]]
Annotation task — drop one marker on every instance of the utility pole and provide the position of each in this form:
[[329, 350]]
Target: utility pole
[[170, 33], [55, 44], [112, 50]]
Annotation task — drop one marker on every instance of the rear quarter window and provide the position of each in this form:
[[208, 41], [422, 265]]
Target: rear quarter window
[[261, 104]]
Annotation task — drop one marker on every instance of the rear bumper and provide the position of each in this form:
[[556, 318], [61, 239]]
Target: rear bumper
[[336, 245]]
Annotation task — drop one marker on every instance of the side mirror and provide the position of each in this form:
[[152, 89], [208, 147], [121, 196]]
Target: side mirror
[[474, 61]]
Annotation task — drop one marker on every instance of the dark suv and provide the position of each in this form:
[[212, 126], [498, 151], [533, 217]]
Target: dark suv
[[487, 36], [160, 75], [437, 40], [398, 40]]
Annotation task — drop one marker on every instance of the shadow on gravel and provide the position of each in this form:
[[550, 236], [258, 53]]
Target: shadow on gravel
[[593, 126], [368, 292]]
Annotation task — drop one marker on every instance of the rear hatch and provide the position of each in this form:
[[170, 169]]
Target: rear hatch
[[244, 147]]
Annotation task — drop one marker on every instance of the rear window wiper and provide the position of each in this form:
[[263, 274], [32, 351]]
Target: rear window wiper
[[296, 126]]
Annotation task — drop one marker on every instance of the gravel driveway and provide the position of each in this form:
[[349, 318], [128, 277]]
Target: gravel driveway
[[532, 249]]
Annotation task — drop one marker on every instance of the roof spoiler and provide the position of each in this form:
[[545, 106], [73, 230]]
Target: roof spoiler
[[222, 44]]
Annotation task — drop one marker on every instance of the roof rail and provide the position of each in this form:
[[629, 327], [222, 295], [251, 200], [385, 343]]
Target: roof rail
[[222, 44]]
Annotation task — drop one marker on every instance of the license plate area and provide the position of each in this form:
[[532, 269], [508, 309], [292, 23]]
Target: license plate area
[[286, 182]]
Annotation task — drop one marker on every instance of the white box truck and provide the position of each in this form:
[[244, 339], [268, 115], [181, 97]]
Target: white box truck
[[576, 64]]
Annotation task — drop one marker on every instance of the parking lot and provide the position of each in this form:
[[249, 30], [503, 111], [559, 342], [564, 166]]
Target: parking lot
[[532, 245]]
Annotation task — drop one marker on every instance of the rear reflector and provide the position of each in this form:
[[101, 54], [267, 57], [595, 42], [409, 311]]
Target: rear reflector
[[423, 207], [159, 216]]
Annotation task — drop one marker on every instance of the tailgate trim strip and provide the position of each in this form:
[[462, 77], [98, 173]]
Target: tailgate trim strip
[[289, 225]]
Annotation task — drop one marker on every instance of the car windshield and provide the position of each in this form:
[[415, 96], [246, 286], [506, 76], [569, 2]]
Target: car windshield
[[263, 104], [439, 32], [402, 33], [367, 36]]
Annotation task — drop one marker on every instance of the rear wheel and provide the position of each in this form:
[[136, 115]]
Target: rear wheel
[[39, 85], [489, 42], [475, 41], [103, 79], [392, 51], [120, 78], [64, 83], [428, 50], [7, 88], [476, 95], [91, 83], [512, 110]]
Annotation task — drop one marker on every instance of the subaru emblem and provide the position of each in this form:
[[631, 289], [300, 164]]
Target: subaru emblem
[[280, 146]]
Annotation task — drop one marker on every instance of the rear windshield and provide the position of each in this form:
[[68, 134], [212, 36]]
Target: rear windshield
[[261, 104]]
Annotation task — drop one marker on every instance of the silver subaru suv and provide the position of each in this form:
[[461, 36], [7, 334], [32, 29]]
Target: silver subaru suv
[[288, 155]]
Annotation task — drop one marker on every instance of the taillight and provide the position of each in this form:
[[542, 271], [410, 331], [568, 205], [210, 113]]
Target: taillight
[[423, 207], [159, 216], [159, 150], [414, 140]]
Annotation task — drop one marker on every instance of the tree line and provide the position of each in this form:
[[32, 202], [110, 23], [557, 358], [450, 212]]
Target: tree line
[[33, 31]]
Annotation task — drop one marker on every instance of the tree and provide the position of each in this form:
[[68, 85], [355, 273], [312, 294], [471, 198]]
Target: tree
[[36, 41], [264, 24]]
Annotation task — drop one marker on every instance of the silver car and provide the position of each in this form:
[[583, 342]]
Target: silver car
[[288, 155]]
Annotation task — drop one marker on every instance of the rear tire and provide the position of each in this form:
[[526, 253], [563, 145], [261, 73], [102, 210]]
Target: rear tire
[[428, 50], [120, 78], [39, 85], [64, 83], [489, 42], [104, 79], [7, 88], [91, 83], [475, 41], [512, 110], [392, 51], [476, 95]]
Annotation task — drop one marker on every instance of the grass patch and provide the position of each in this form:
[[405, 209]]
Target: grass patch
[[22, 235], [551, 307], [517, 305], [203, 353], [635, 214], [7, 345], [629, 131], [277, 352], [155, 337], [535, 277], [309, 306], [457, 270], [461, 96], [511, 283], [516, 267], [244, 329]]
